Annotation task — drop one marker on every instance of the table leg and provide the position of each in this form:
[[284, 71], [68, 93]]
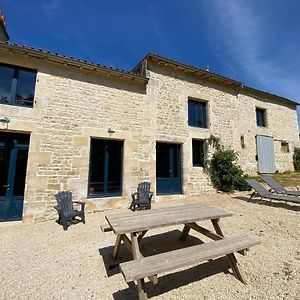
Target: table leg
[[141, 235], [185, 232], [136, 255], [117, 246], [230, 257], [128, 244]]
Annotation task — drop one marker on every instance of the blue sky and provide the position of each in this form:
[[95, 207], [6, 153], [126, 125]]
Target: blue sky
[[256, 42]]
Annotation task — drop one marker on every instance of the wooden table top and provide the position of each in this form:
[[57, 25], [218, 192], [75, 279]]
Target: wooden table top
[[137, 221]]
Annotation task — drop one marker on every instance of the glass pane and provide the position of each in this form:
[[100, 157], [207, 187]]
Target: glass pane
[[105, 167], [197, 114], [201, 114], [176, 160], [198, 153], [6, 77], [257, 118], [25, 88], [9, 139], [191, 112], [20, 173], [114, 167], [97, 160], [162, 160], [4, 165], [260, 117]]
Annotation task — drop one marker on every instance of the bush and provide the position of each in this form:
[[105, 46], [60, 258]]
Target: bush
[[225, 174], [296, 159]]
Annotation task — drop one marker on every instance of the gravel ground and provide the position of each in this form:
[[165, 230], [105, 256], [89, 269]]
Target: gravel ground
[[41, 261]]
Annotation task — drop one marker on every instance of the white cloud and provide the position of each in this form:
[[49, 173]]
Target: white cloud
[[242, 31], [51, 7]]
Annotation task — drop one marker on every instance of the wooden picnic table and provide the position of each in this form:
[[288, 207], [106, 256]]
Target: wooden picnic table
[[130, 227]]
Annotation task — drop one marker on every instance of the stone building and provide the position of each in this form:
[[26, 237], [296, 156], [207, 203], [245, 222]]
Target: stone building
[[66, 124]]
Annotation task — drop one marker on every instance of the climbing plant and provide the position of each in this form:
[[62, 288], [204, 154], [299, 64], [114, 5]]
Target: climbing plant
[[225, 174], [296, 159]]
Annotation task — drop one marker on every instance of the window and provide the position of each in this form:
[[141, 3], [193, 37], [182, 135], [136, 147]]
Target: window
[[197, 113], [285, 147], [261, 117], [198, 153], [17, 85], [105, 174]]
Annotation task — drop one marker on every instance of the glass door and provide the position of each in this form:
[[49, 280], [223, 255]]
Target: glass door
[[13, 165], [168, 168], [106, 163]]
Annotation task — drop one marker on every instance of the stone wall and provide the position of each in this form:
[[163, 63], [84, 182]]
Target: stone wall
[[72, 106], [281, 119], [231, 114]]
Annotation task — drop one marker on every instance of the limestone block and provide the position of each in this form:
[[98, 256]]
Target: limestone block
[[79, 162], [80, 140], [42, 158]]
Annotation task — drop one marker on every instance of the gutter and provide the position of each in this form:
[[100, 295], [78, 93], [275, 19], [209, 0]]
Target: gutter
[[70, 61]]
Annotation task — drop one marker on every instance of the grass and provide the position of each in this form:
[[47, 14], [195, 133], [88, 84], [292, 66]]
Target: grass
[[287, 179]]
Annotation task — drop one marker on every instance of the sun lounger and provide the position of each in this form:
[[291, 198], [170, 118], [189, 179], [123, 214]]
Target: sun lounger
[[264, 193], [277, 187]]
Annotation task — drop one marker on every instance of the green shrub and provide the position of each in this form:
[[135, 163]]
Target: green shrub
[[241, 184], [296, 159], [225, 174]]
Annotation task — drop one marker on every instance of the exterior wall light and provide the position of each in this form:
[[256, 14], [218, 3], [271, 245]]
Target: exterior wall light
[[110, 130]]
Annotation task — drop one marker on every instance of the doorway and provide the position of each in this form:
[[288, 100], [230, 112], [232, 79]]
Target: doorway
[[168, 168], [13, 164], [265, 154], [106, 165]]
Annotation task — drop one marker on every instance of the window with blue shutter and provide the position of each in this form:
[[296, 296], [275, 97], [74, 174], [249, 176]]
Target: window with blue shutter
[[261, 117], [17, 85], [197, 114], [198, 147]]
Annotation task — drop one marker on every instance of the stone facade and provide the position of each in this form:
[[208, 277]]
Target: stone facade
[[73, 105], [231, 114]]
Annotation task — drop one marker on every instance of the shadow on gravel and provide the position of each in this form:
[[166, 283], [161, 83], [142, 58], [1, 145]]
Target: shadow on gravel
[[73, 221], [151, 245], [156, 244], [173, 281], [266, 202]]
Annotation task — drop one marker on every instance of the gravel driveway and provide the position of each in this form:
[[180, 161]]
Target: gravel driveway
[[41, 261]]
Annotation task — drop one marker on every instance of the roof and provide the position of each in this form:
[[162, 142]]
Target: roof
[[83, 64], [208, 74], [71, 61]]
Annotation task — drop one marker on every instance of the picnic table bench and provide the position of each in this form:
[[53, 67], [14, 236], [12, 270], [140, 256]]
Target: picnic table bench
[[138, 223]]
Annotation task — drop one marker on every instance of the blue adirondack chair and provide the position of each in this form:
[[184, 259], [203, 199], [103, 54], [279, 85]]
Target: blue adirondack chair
[[142, 198], [66, 210]]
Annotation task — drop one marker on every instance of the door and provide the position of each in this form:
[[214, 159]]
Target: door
[[265, 154], [106, 163], [13, 165], [168, 168]]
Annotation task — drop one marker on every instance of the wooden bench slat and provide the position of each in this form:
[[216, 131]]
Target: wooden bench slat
[[212, 235], [105, 228], [164, 262]]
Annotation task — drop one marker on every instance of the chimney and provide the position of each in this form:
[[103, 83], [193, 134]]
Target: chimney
[[3, 34]]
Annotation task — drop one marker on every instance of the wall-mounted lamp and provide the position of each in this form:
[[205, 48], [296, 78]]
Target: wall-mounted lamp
[[4, 119], [110, 131]]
